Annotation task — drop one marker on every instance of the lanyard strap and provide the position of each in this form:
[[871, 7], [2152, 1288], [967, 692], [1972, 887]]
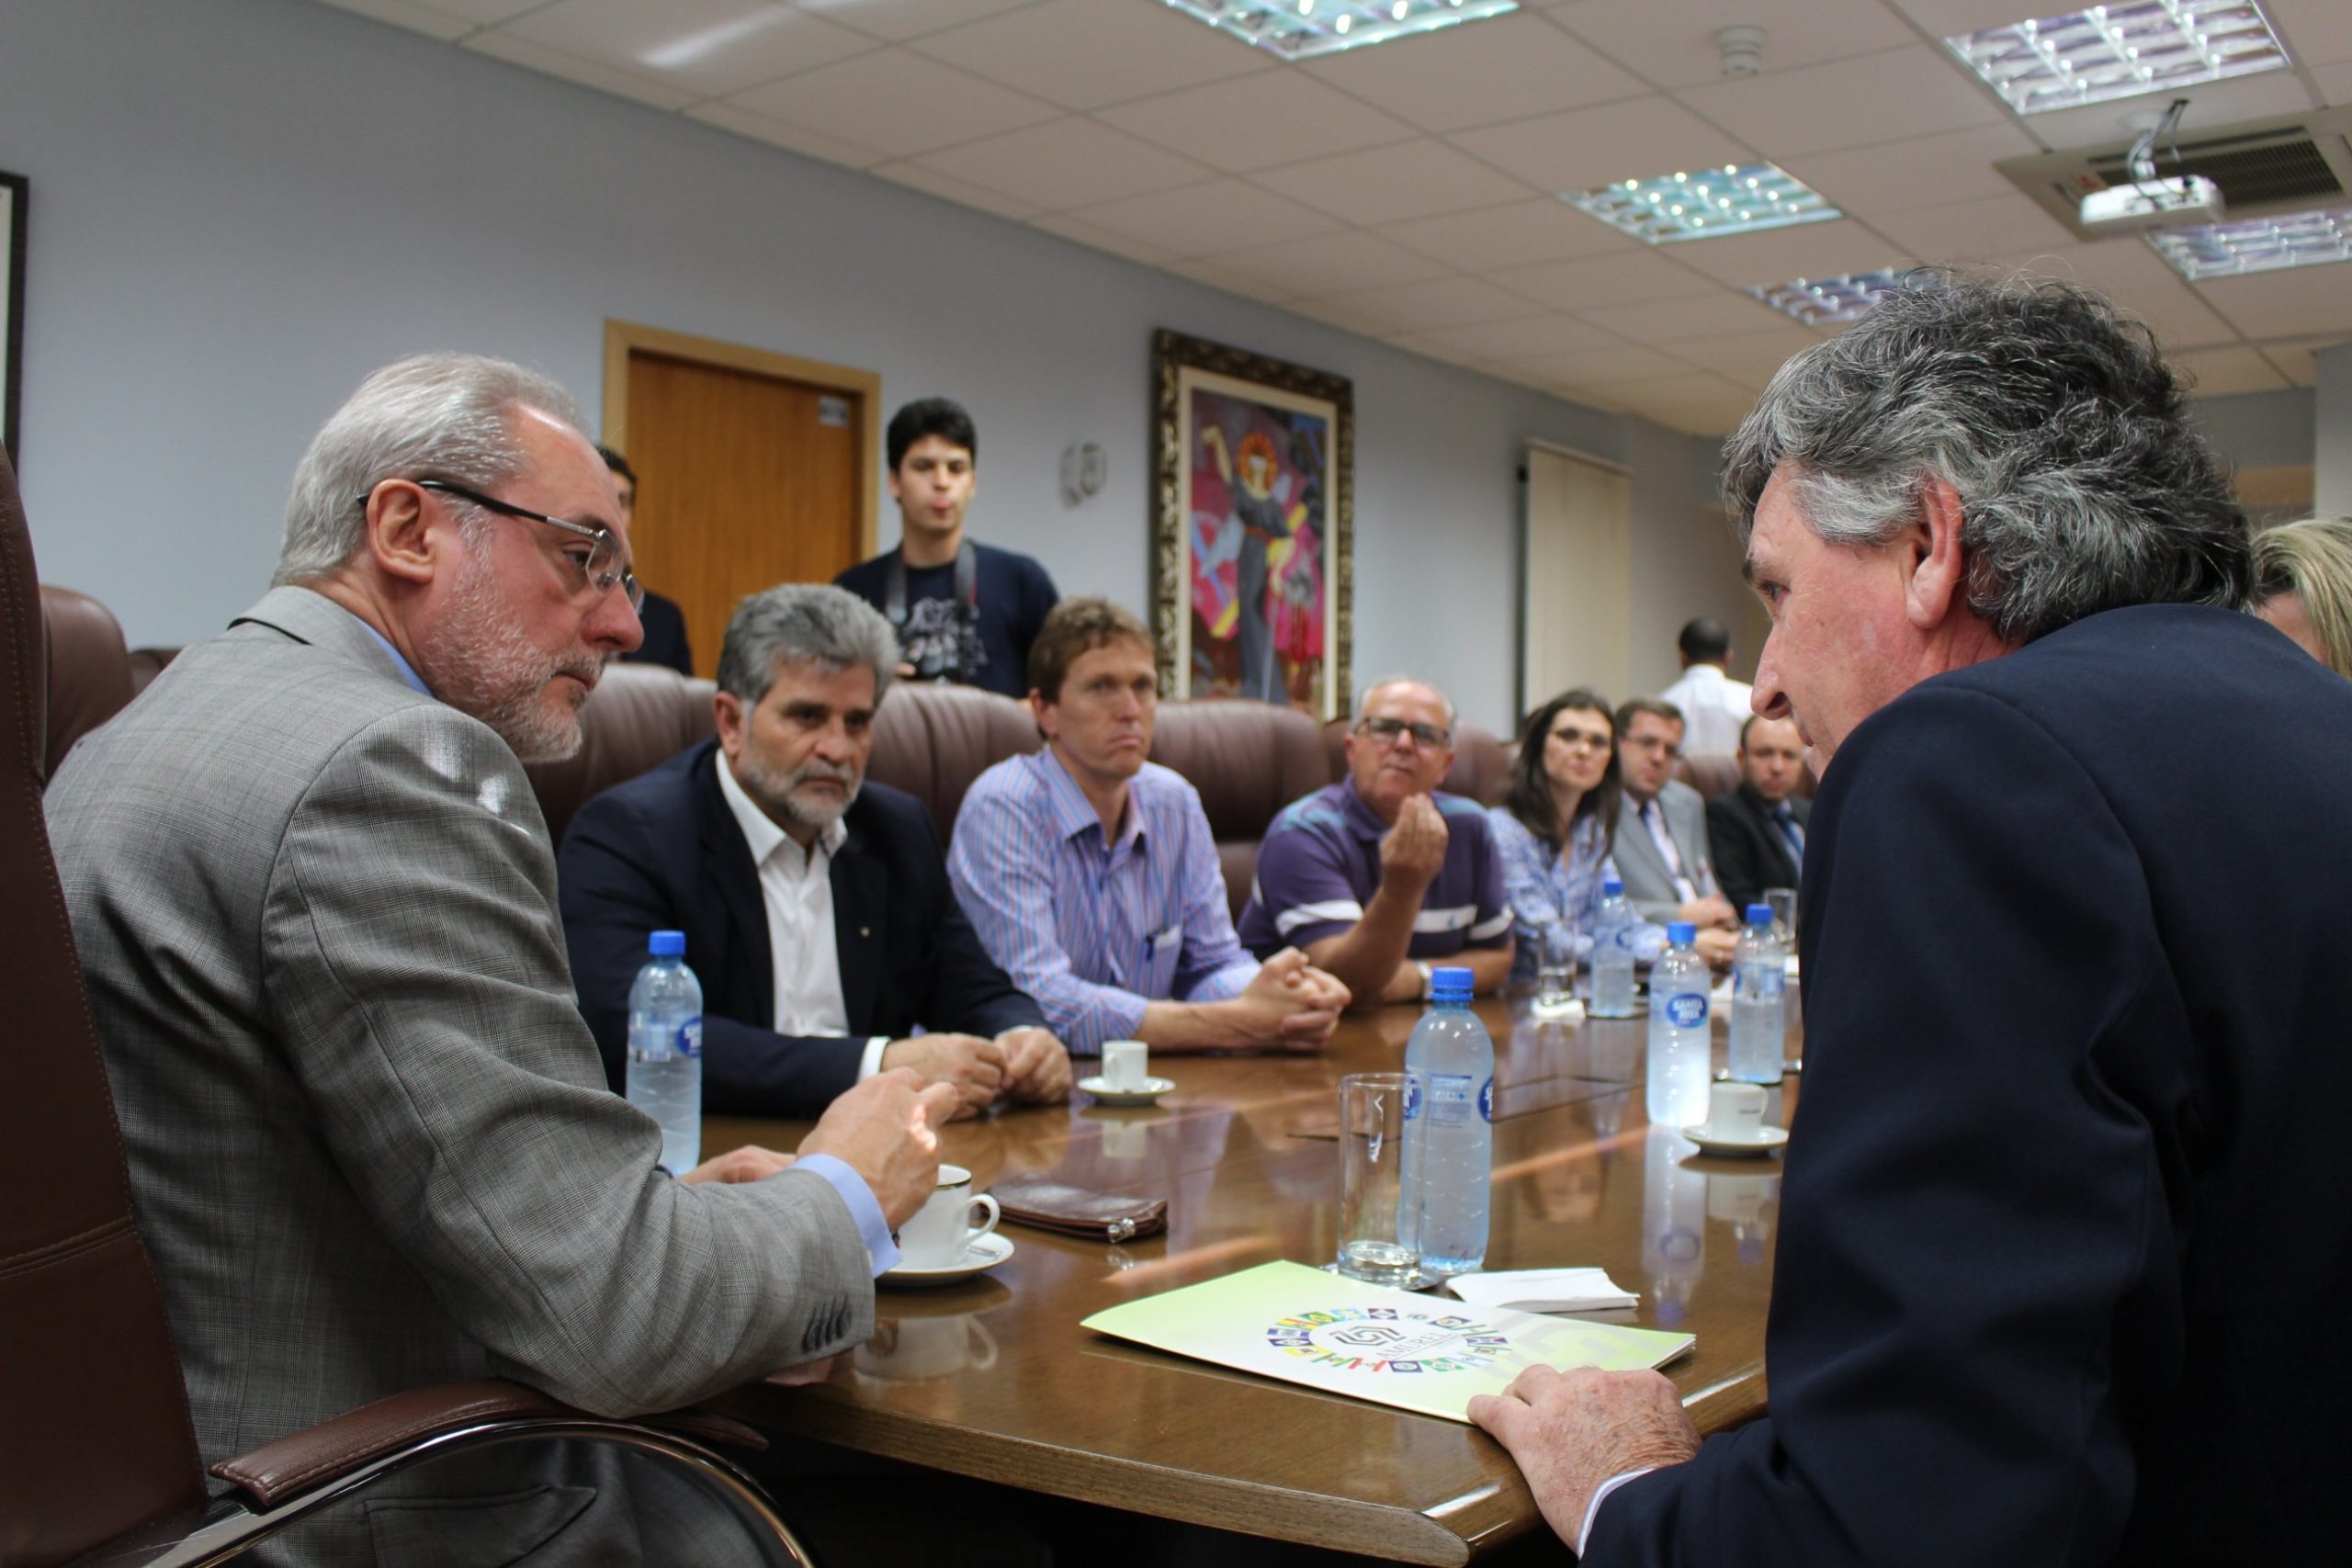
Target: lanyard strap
[[967, 586]]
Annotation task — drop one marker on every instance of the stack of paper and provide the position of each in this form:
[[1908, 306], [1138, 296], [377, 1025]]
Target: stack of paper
[[1542, 1290]]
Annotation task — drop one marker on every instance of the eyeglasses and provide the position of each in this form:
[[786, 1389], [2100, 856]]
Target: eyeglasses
[[1386, 731], [1653, 743], [598, 562], [1582, 740]]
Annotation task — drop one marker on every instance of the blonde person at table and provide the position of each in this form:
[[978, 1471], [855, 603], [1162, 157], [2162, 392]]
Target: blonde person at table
[[1554, 828], [1091, 876], [2302, 585]]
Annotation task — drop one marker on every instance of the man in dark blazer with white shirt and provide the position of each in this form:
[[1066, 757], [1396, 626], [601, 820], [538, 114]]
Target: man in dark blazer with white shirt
[[2066, 1225], [816, 908], [1757, 831]]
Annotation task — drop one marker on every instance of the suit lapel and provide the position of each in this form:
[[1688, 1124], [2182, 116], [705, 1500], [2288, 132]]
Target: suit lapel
[[726, 870], [861, 898]]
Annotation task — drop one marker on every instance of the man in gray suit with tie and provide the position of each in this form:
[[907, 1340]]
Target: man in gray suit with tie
[[1661, 843], [370, 1138]]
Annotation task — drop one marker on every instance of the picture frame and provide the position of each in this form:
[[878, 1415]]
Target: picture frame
[[1253, 526], [12, 308]]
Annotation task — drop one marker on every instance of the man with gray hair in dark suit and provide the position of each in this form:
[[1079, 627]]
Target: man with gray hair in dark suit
[[369, 1139]]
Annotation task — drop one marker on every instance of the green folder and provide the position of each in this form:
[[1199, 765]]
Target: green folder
[[1424, 1353]]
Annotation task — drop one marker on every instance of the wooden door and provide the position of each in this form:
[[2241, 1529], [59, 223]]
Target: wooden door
[[753, 470]]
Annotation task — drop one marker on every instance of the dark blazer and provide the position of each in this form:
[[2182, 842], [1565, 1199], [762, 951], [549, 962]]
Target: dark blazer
[[2065, 1221], [662, 851], [1750, 854], [665, 636]]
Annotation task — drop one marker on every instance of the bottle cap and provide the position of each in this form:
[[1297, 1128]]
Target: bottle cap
[[666, 944], [1760, 914], [1449, 983], [1681, 933], [1611, 887]]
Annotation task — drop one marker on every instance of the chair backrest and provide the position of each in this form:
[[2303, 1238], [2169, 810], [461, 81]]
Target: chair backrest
[[933, 740], [95, 1433], [89, 670], [1249, 759], [639, 715]]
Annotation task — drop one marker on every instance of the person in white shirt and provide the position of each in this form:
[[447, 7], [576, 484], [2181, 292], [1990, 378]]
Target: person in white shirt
[[1713, 705]]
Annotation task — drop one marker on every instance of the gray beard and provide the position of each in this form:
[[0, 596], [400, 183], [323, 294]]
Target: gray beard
[[772, 792]]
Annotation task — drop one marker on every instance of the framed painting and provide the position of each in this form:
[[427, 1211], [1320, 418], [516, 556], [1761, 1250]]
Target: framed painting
[[12, 305], [1252, 534]]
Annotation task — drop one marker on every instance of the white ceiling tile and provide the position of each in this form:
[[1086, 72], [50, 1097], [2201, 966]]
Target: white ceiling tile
[[1776, 256], [1200, 219], [1087, 234], [2334, 83], [2306, 301], [1949, 18], [899, 20], [1066, 164], [1968, 230], [1674, 45], [1085, 53], [2138, 281], [2215, 372], [484, 13], [1216, 277], [1455, 302], [2212, 106], [587, 73], [791, 138], [1505, 342], [1256, 123], [1598, 281], [1749, 357], [710, 48], [2317, 31], [1848, 103], [898, 102], [2298, 362], [963, 192], [1517, 233], [1330, 311], [1328, 264], [1586, 148], [1897, 176], [1700, 404], [1503, 68], [402, 14], [1603, 369], [1387, 184], [1679, 322]]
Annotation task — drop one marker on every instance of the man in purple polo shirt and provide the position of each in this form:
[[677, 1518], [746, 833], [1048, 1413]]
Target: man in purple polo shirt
[[1379, 876]]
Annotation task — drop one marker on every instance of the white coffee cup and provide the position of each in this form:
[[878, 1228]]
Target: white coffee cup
[[943, 1230], [1735, 1109], [1125, 1064]]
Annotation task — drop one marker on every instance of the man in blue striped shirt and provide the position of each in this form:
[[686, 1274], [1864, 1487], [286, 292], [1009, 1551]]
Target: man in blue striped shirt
[[1091, 877]]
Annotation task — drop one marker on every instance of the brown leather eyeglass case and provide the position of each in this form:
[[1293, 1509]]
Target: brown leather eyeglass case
[[1074, 1211]]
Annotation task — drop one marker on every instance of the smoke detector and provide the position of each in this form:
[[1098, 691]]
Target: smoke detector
[[1743, 50]]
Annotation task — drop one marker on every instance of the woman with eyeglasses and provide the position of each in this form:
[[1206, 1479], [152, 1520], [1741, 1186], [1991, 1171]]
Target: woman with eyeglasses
[[1554, 830]]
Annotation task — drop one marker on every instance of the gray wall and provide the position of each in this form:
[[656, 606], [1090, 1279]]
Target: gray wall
[[240, 206], [2332, 419]]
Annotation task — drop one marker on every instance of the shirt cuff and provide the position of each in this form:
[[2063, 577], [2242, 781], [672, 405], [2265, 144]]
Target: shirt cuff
[[1592, 1509], [869, 1061], [873, 1229]]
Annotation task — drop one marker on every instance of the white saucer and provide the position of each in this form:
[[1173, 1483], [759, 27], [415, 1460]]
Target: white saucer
[[1150, 1089], [986, 1253], [1764, 1140]]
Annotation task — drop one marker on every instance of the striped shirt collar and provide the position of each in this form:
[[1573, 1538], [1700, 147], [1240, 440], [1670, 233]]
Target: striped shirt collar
[[1073, 813]]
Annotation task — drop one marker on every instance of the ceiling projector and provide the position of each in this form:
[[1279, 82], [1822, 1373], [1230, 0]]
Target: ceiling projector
[[2157, 204]]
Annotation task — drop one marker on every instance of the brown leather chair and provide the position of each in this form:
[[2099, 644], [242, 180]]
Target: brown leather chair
[[1710, 772], [89, 670], [933, 740], [639, 715], [98, 1452], [1249, 759]]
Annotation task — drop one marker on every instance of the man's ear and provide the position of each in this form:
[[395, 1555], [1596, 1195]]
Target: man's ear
[[1041, 709], [1936, 580], [400, 535], [726, 715]]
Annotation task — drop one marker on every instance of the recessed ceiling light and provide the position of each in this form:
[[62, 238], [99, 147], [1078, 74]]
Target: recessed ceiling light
[[1300, 30], [2257, 244], [1733, 199], [2121, 52], [1826, 301]]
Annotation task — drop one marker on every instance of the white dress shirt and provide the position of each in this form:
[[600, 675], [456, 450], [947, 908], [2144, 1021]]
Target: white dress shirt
[[1714, 708], [797, 887]]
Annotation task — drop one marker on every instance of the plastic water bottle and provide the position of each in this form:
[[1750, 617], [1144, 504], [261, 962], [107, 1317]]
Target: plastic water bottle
[[1449, 1130], [1759, 1015], [1678, 1049], [1612, 953], [665, 1049]]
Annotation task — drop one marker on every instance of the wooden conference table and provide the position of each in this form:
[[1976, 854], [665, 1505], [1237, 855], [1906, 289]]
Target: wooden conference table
[[993, 1378]]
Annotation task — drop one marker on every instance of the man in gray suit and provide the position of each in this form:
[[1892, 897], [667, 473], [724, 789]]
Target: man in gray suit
[[1661, 843], [369, 1139]]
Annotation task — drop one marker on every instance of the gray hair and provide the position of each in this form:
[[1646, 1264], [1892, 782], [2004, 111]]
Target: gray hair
[[2082, 485], [1452, 719], [798, 623], [433, 415]]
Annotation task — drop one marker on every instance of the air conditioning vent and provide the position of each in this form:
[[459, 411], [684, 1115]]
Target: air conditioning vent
[[2250, 171], [2264, 167]]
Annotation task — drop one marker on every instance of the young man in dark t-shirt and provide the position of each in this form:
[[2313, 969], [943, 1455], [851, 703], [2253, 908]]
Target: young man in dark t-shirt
[[964, 611]]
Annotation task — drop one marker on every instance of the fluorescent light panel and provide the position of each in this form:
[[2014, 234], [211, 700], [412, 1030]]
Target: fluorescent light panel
[[2121, 52], [1829, 301], [1705, 203], [2257, 244], [1300, 30]]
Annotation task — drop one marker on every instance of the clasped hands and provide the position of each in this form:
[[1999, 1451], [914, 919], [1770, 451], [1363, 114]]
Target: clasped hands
[[1024, 1064]]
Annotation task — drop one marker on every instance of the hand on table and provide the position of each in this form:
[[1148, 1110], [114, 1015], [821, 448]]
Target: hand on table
[[1716, 946], [749, 1163], [974, 1067], [1037, 1066], [1714, 910], [1570, 1431], [883, 1129]]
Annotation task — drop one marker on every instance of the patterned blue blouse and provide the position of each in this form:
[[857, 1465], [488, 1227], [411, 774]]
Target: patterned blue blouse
[[1544, 887]]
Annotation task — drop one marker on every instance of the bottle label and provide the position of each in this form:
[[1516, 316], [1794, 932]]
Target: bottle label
[[689, 1040], [1412, 1097], [1764, 982], [1687, 1010], [1451, 1097], [1487, 1100]]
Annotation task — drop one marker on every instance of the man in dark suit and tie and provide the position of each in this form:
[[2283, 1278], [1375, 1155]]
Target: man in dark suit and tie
[[1757, 831], [817, 908]]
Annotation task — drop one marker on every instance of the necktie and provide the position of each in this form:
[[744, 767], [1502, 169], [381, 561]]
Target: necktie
[[1787, 822]]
